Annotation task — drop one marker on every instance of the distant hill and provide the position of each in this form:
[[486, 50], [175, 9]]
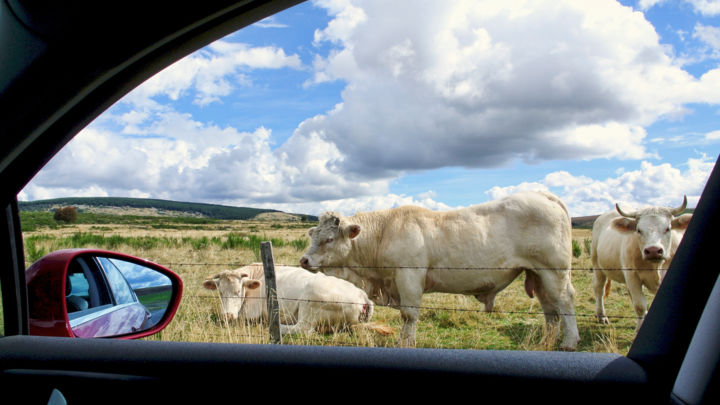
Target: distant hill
[[583, 222], [146, 206]]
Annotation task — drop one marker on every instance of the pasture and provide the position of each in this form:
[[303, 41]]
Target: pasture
[[197, 251]]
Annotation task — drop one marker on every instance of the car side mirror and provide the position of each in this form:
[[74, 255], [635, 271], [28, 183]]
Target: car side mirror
[[99, 293]]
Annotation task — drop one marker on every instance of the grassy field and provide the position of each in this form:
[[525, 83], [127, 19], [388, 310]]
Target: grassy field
[[196, 251]]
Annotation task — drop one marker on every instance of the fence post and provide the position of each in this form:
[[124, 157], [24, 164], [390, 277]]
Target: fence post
[[271, 291]]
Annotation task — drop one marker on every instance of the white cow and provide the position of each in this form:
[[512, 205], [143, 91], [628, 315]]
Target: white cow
[[307, 301], [398, 254], [634, 248]]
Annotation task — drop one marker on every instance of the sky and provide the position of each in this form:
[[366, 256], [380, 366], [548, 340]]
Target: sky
[[362, 105]]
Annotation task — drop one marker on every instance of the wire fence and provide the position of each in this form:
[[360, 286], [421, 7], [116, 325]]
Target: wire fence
[[321, 268], [421, 307]]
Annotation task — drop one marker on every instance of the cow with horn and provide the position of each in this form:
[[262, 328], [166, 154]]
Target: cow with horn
[[634, 248]]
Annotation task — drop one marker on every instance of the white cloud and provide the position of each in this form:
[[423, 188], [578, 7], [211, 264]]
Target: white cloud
[[34, 192], [704, 7], [270, 22], [646, 4], [713, 136], [709, 35], [346, 16], [651, 184], [480, 84], [177, 158], [351, 206], [500, 192], [213, 72]]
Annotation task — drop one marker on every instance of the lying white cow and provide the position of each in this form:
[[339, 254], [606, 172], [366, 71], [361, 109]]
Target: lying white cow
[[396, 255], [307, 301], [634, 248]]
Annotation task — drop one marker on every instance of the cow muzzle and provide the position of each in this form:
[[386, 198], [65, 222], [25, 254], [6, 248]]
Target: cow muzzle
[[305, 264], [654, 253]]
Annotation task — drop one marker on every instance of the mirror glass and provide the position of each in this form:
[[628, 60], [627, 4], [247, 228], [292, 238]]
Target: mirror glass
[[107, 296]]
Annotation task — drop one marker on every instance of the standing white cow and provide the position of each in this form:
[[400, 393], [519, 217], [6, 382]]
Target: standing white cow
[[396, 255], [634, 248], [307, 301]]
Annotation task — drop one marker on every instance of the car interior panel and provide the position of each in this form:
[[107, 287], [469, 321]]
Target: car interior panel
[[45, 100]]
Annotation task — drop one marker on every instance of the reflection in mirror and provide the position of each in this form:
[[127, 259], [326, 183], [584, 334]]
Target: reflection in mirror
[[153, 289], [110, 297]]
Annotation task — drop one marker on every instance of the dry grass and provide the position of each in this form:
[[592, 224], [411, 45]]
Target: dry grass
[[446, 320]]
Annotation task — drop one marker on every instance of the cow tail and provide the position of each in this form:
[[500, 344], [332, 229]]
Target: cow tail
[[607, 288]]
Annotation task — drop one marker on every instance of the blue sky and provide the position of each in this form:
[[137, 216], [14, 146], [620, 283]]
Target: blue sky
[[363, 105]]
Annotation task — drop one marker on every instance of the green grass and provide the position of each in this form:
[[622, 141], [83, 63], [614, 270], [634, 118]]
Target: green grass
[[156, 301], [37, 246]]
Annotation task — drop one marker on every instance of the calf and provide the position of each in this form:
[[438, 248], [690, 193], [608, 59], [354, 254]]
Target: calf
[[307, 301]]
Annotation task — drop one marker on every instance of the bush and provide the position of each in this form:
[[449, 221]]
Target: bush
[[576, 249], [66, 214], [588, 245]]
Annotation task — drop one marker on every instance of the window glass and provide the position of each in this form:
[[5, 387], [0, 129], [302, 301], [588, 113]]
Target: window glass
[[86, 282], [365, 106], [120, 287], [79, 296]]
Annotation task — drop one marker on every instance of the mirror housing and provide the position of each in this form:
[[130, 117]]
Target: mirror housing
[[100, 293]]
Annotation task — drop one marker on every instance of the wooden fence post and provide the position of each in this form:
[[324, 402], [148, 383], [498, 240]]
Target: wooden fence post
[[271, 291]]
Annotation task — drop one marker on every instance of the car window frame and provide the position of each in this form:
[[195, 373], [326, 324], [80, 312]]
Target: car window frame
[[646, 372], [118, 277]]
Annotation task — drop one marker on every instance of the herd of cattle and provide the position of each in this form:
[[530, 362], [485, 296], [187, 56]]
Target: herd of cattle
[[392, 257]]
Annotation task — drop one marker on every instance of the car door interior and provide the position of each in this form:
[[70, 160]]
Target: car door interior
[[114, 47]]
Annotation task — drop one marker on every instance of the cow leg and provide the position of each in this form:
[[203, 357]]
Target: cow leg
[[599, 282], [305, 323], [300, 327], [556, 295], [410, 286], [637, 296]]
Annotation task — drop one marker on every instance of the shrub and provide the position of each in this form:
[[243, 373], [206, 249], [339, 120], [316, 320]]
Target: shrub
[[588, 242], [576, 249], [66, 214], [33, 252]]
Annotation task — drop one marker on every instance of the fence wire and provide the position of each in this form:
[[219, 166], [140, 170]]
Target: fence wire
[[320, 268], [420, 307], [428, 308]]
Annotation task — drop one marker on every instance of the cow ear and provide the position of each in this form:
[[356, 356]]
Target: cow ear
[[681, 222], [624, 224], [210, 284], [352, 231], [310, 231], [251, 284]]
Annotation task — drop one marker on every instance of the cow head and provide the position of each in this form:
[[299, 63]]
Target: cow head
[[653, 227], [330, 242], [232, 287]]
